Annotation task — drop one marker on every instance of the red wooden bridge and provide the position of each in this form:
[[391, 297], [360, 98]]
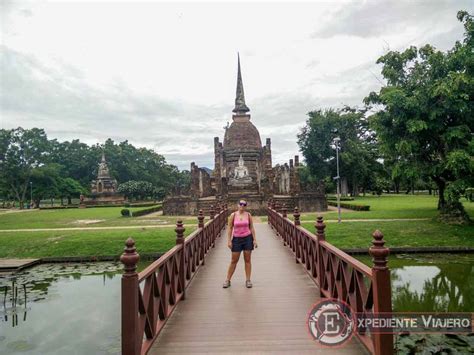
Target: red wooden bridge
[[292, 269]]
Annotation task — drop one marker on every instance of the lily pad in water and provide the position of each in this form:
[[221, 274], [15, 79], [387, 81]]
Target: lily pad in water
[[20, 345]]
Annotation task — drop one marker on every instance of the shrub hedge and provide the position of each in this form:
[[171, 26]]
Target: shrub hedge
[[343, 198], [58, 207], [146, 211], [350, 206]]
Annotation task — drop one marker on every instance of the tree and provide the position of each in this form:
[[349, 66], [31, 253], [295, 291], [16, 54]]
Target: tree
[[69, 188], [21, 151], [77, 158], [45, 182], [358, 152], [137, 189], [425, 120]]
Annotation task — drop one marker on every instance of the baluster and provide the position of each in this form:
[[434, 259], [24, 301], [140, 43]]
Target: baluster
[[382, 294], [131, 343], [320, 226], [296, 216], [182, 262]]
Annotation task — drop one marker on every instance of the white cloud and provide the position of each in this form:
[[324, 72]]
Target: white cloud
[[162, 75]]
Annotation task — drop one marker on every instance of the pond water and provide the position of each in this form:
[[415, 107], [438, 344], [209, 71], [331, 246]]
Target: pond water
[[431, 282], [61, 308], [75, 308], [427, 283]]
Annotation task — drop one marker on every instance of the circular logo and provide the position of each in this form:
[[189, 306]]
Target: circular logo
[[331, 322]]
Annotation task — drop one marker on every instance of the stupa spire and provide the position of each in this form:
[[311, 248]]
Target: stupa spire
[[240, 106]]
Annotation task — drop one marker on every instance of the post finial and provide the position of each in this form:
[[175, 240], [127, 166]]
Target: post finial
[[320, 226], [130, 257], [200, 219], [212, 212], [179, 232], [284, 210], [378, 251], [296, 215]]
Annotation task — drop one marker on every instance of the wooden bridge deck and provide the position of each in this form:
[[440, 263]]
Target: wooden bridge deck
[[268, 318]]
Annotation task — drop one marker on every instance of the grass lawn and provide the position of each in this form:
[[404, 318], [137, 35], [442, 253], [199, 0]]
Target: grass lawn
[[397, 234], [75, 217], [85, 243], [392, 206]]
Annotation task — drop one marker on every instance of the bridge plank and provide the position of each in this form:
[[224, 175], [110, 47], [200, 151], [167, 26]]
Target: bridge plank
[[268, 318]]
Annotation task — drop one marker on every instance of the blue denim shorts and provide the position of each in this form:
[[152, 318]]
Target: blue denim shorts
[[242, 243]]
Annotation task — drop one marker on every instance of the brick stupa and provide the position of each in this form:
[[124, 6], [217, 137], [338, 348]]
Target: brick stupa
[[243, 169]]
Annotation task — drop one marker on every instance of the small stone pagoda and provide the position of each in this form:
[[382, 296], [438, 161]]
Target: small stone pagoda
[[243, 169], [104, 188]]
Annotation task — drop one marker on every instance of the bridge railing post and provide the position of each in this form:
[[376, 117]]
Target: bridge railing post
[[212, 214], [296, 216], [130, 337], [382, 294], [203, 242], [284, 235], [182, 261], [320, 236]]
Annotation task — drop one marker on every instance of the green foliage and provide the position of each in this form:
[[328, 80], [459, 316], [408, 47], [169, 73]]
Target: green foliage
[[469, 194], [425, 120], [358, 152], [21, 151], [351, 206], [136, 189], [125, 212], [65, 169], [145, 211]]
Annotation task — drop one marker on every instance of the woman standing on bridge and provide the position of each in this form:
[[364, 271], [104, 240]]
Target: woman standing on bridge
[[240, 237]]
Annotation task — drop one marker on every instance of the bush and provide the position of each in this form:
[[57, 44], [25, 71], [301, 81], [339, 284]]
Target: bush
[[125, 212], [143, 204], [58, 207], [342, 198], [146, 211], [470, 194], [351, 207]]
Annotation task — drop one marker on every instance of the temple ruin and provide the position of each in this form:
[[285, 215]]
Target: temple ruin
[[243, 169]]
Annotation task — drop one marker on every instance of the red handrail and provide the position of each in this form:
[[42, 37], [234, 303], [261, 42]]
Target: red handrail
[[339, 275], [149, 297]]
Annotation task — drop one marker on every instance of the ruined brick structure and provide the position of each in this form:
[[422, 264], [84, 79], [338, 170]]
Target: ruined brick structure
[[104, 188], [243, 169]]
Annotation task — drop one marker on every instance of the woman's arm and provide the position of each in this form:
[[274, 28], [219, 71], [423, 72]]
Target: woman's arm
[[252, 229], [230, 227]]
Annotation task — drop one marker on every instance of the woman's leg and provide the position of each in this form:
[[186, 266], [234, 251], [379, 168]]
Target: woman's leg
[[233, 264], [248, 264]]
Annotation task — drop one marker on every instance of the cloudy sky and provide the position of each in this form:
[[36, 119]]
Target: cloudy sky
[[162, 75]]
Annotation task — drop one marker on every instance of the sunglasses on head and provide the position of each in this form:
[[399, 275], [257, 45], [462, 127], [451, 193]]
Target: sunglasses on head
[[243, 203]]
